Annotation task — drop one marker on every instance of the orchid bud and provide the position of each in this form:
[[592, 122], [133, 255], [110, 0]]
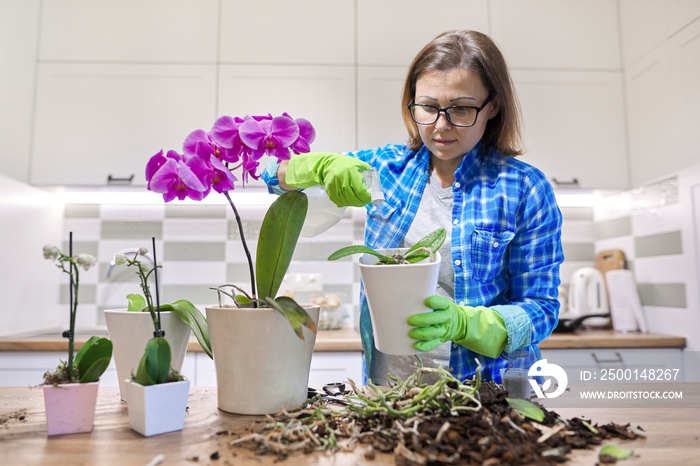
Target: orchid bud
[[143, 251], [85, 260], [51, 252], [119, 259]]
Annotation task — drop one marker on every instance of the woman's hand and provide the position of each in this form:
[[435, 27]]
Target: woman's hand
[[480, 328]]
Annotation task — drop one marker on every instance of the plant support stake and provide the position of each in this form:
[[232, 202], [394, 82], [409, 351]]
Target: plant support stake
[[159, 331]]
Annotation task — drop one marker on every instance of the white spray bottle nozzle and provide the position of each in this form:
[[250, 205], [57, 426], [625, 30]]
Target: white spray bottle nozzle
[[371, 179]]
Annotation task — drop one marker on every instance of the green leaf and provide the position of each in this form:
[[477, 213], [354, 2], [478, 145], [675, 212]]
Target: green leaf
[[615, 452], [136, 302], [432, 241], [359, 249], [278, 238], [417, 256], [154, 366], [295, 314], [589, 427], [243, 299], [93, 358], [194, 319], [526, 408]]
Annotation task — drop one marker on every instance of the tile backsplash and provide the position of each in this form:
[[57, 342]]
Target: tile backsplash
[[199, 247]]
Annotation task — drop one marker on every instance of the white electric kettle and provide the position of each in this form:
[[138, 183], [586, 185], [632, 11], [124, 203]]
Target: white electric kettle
[[588, 295]]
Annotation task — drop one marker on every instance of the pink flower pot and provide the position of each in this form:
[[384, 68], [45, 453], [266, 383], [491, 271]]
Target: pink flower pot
[[70, 408]]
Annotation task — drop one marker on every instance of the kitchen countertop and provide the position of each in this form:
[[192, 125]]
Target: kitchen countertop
[[348, 339], [671, 435]]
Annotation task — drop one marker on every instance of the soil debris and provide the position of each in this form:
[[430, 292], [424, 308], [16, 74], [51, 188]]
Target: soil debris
[[448, 422]]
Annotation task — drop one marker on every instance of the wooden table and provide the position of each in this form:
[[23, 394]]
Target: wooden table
[[673, 436]]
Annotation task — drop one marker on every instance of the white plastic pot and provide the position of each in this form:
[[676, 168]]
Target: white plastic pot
[[394, 293], [130, 331], [157, 409], [260, 362]]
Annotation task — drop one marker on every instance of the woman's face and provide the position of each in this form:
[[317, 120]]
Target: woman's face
[[460, 87]]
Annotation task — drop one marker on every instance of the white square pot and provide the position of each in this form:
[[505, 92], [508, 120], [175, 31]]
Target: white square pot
[[157, 409], [130, 331]]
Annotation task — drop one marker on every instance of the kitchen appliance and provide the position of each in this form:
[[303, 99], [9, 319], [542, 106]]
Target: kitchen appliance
[[610, 259], [625, 306], [588, 295]]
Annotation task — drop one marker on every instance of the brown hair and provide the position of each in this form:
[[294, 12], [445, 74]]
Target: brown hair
[[475, 51]]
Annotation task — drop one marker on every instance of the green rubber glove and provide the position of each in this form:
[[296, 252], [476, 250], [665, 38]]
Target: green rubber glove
[[479, 329], [339, 174]]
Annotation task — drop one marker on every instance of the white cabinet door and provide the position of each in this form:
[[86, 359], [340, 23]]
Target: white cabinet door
[[645, 25], [324, 95], [27, 368], [306, 32], [93, 121], [685, 59], [19, 27], [379, 92], [573, 126], [155, 31], [335, 366], [652, 117], [391, 32], [546, 34], [326, 367]]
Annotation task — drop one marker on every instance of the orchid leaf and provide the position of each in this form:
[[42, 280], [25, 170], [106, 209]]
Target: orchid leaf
[[93, 359], [526, 408], [154, 366], [295, 314], [417, 255], [194, 319], [615, 451], [278, 237], [359, 249], [136, 302], [432, 241]]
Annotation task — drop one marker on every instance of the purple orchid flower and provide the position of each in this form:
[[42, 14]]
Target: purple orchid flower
[[225, 135], [307, 135], [271, 137], [174, 177]]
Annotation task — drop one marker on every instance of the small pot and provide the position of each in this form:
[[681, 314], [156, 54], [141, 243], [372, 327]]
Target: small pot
[[571, 325], [157, 409], [70, 408]]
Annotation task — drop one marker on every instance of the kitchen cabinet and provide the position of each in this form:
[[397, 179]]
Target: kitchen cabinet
[[310, 32], [379, 120], [574, 361], [326, 367], [27, 368], [129, 31], [555, 35], [324, 95], [647, 25], [391, 32], [93, 121], [19, 30], [574, 126], [663, 107], [20, 368]]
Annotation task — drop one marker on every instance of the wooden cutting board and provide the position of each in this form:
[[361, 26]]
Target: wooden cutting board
[[610, 259]]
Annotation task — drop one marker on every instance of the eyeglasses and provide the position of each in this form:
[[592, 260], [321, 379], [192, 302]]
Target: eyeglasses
[[458, 115]]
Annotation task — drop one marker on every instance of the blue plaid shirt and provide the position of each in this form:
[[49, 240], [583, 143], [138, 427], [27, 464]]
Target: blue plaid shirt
[[506, 243]]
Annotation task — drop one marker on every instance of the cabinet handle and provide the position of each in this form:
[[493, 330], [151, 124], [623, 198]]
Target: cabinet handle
[[566, 184], [115, 180], [617, 359]]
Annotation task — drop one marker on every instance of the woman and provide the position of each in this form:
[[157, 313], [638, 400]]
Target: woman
[[500, 272]]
